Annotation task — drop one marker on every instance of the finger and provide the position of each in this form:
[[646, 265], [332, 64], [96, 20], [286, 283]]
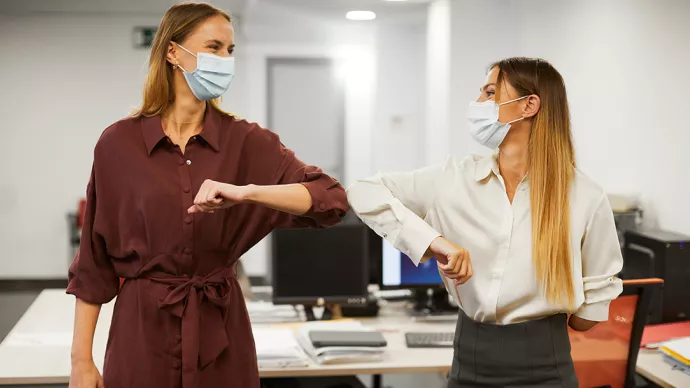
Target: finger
[[448, 267], [203, 192], [458, 263], [213, 193], [462, 271]]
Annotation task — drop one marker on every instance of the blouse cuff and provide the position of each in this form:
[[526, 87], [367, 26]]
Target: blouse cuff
[[329, 204], [415, 238], [596, 312]]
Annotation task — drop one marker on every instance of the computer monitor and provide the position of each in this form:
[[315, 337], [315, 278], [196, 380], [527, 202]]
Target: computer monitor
[[311, 266], [398, 270]]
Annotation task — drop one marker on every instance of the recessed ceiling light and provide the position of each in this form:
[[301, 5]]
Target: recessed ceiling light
[[361, 15]]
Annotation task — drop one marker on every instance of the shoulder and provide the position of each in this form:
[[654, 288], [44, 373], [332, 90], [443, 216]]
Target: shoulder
[[252, 136], [118, 134], [586, 189]]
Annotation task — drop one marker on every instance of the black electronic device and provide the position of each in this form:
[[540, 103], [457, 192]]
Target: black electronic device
[[321, 267], [326, 338], [653, 253], [429, 340]]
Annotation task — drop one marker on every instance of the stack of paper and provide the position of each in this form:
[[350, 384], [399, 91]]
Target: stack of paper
[[266, 312], [278, 348], [340, 354], [678, 353]]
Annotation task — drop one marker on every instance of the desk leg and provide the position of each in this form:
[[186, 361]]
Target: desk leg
[[377, 381]]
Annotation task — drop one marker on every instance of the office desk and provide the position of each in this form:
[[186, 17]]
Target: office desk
[[651, 364], [37, 350]]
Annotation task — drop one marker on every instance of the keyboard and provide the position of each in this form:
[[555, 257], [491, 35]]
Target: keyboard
[[429, 340]]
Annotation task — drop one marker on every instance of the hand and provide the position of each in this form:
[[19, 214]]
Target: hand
[[85, 375], [452, 260], [214, 196]]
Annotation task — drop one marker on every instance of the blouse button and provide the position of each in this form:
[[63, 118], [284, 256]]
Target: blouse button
[[188, 219], [180, 162], [178, 337], [176, 365], [185, 189], [187, 250], [322, 206]]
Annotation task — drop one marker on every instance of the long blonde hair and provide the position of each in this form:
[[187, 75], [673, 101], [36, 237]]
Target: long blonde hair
[[177, 24], [551, 169]]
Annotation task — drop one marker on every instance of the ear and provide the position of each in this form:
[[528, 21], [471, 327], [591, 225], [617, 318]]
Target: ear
[[171, 56], [532, 106]]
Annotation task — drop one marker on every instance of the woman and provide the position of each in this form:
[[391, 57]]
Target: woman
[[541, 234], [180, 319]]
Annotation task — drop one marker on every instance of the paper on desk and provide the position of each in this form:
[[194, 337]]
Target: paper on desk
[[39, 339], [337, 354], [278, 348]]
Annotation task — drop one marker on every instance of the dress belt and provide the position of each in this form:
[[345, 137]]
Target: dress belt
[[203, 325]]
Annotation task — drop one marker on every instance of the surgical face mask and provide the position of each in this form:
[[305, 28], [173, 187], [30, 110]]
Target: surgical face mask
[[212, 76], [484, 125]]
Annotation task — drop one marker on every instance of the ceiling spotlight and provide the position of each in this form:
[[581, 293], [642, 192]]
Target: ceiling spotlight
[[361, 15]]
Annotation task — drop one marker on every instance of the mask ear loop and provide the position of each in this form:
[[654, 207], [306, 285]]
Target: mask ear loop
[[183, 48]]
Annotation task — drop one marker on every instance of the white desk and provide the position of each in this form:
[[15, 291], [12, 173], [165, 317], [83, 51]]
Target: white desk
[[50, 317], [651, 364]]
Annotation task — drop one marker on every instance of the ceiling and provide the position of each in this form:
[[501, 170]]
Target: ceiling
[[386, 11], [138, 7]]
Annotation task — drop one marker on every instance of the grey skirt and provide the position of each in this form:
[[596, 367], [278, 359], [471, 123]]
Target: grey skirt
[[528, 354]]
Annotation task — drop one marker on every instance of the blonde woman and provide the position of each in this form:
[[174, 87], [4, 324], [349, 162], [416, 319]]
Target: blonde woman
[[177, 194], [540, 234]]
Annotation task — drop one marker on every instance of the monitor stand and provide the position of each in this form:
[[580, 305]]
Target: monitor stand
[[431, 302], [330, 312]]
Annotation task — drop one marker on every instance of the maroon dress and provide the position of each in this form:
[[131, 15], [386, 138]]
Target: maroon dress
[[180, 318]]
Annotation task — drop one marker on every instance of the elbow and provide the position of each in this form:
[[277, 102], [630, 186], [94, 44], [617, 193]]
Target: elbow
[[334, 208]]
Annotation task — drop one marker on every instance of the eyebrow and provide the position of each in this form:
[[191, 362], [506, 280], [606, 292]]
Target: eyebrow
[[483, 88], [219, 43]]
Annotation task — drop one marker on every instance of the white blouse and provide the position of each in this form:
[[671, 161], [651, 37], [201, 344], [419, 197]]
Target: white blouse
[[466, 202]]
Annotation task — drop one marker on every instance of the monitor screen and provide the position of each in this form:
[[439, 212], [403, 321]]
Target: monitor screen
[[398, 270], [330, 264]]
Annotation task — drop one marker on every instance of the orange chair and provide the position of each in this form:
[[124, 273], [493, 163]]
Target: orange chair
[[606, 355]]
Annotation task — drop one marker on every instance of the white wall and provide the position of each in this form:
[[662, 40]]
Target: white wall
[[68, 75], [65, 79], [625, 66], [383, 69]]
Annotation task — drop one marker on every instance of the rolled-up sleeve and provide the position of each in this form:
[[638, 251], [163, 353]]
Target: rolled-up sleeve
[[278, 165], [329, 201], [394, 205], [602, 260], [91, 276]]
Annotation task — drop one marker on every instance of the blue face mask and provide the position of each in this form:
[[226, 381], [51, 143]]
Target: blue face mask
[[483, 123], [212, 77]]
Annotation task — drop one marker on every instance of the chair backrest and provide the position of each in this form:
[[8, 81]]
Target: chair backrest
[[606, 355]]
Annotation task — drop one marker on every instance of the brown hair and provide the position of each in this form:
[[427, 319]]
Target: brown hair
[[177, 24], [551, 169]]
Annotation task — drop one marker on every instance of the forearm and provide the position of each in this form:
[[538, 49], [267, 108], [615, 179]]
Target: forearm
[[85, 318], [580, 324], [290, 198]]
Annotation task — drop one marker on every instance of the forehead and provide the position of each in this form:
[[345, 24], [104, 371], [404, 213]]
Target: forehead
[[216, 27], [491, 76]]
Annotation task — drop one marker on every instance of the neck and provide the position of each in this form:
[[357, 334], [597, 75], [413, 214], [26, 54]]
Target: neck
[[513, 156], [186, 114]]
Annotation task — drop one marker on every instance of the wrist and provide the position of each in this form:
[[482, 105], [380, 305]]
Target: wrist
[[251, 193], [81, 358]]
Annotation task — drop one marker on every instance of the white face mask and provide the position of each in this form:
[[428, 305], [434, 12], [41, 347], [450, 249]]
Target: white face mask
[[483, 122], [212, 76]]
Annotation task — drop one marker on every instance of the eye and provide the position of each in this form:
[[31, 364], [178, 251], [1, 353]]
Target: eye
[[490, 93], [231, 50], [213, 47]]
